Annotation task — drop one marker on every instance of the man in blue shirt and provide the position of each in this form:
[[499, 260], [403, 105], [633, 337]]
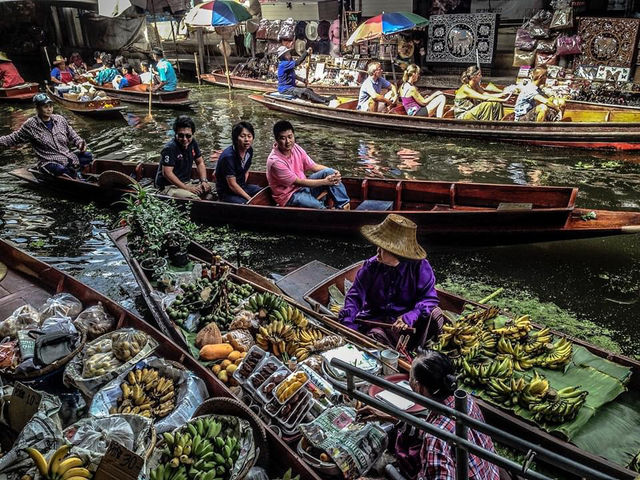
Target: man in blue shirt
[[166, 73], [287, 77], [371, 90]]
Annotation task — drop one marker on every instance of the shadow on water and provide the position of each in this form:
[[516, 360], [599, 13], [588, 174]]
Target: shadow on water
[[598, 280]]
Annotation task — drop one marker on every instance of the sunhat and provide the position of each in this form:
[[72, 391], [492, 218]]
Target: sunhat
[[59, 59], [282, 50], [311, 31], [4, 58], [396, 234], [300, 46]]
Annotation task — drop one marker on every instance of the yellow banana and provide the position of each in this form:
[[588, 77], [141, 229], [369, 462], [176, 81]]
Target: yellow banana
[[69, 464], [56, 459], [39, 460], [76, 472]]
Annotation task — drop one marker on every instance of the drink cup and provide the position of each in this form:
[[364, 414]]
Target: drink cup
[[389, 361]]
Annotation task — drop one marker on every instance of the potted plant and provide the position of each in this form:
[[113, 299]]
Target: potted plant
[[153, 267], [175, 245]]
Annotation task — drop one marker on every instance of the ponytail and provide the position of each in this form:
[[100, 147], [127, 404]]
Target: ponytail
[[434, 371], [410, 71]]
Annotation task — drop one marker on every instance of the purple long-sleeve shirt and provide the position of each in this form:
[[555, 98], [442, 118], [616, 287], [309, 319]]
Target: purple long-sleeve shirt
[[384, 293]]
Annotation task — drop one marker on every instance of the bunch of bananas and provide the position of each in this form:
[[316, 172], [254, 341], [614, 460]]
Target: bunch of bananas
[[146, 393], [335, 308], [535, 391], [519, 357], [312, 340], [461, 335], [199, 452], [536, 341], [482, 374], [483, 315], [515, 329], [505, 391], [558, 355], [290, 315], [277, 337], [563, 406], [58, 467], [264, 303]]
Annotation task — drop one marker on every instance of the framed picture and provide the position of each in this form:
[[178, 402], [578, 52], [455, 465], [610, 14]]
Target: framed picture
[[462, 38], [353, 65]]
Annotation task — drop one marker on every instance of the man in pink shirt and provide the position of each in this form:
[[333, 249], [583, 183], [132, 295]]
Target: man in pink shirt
[[286, 167]]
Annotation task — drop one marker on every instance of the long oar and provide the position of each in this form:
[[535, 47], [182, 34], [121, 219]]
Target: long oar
[[306, 79], [149, 117]]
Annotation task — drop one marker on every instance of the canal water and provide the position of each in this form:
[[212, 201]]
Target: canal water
[[597, 281]]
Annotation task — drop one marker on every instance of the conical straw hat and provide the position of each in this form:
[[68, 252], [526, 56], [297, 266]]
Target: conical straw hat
[[396, 234]]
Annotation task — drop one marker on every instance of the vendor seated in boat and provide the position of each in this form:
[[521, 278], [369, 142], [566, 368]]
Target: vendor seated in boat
[[232, 169], [9, 76], [173, 177], [396, 287], [50, 135], [108, 72], [532, 105], [472, 102], [290, 187], [287, 77], [166, 73], [422, 455], [61, 74], [376, 92], [416, 104]]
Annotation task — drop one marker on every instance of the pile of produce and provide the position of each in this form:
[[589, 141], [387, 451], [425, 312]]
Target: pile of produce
[[146, 393], [58, 467]]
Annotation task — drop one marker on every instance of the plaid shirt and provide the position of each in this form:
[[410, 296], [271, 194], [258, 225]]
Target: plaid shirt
[[438, 457], [49, 145]]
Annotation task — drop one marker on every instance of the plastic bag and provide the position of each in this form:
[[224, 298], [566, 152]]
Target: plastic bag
[[61, 305], [538, 26], [562, 19], [95, 321], [240, 339], [522, 58], [23, 318], [546, 45], [244, 320], [287, 29], [99, 364], [9, 354], [101, 346], [524, 40], [126, 345], [315, 363], [544, 59]]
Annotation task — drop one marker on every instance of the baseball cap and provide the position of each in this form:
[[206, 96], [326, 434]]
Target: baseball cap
[[41, 99]]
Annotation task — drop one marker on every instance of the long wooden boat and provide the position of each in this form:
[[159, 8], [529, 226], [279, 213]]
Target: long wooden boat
[[32, 281], [179, 98], [218, 77], [319, 298], [591, 129], [19, 93], [104, 108], [472, 213]]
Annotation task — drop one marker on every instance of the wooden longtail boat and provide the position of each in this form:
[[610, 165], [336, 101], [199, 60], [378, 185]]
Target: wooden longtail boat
[[319, 297], [219, 78], [32, 281], [591, 129], [179, 98], [19, 93], [104, 108], [457, 212]]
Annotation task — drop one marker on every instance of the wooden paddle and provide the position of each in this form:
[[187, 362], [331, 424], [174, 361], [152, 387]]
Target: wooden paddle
[[306, 79], [149, 117], [383, 325]]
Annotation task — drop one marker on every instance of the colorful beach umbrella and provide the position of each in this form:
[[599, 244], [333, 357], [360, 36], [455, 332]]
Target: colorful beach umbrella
[[386, 24], [217, 13]]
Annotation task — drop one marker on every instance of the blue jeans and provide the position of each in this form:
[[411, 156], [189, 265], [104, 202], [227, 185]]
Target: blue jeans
[[233, 198], [306, 196]]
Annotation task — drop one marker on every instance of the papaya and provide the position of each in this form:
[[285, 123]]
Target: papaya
[[216, 352]]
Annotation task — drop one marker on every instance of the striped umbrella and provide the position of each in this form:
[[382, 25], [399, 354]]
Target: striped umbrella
[[217, 13], [386, 24]]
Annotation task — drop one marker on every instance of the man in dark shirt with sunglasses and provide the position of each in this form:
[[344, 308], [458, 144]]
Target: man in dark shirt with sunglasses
[[174, 176]]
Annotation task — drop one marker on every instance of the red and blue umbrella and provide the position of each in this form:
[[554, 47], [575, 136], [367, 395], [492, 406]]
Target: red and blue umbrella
[[386, 24], [217, 13]]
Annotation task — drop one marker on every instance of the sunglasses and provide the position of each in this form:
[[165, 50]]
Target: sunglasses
[[184, 135]]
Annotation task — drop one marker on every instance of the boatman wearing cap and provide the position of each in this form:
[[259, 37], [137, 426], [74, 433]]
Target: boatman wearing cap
[[287, 77], [50, 136], [9, 76], [166, 73], [396, 287]]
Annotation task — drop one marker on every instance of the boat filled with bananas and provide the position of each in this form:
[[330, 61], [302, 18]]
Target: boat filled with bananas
[[130, 384], [556, 390]]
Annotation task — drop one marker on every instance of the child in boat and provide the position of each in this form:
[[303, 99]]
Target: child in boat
[[532, 105]]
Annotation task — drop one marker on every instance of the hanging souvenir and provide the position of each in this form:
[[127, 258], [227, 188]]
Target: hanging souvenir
[[568, 45], [524, 40], [522, 58]]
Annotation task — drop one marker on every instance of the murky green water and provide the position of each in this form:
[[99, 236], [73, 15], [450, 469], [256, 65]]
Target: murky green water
[[598, 280]]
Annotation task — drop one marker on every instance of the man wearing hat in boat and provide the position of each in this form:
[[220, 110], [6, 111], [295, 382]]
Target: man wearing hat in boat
[[166, 73], [396, 287], [50, 136], [287, 77], [61, 74], [9, 76]]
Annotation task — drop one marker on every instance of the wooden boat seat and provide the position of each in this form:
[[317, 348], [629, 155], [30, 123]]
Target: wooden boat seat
[[263, 197], [377, 205], [448, 112], [350, 105]]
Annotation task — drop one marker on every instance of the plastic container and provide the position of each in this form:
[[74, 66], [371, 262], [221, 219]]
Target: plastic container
[[298, 412], [266, 394], [323, 387], [273, 407], [263, 372], [299, 374], [255, 356]]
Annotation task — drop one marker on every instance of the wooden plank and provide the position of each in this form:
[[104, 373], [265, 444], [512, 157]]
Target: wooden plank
[[298, 282]]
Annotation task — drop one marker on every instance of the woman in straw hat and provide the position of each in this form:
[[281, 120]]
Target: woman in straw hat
[[61, 74], [9, 76], [397, 286]]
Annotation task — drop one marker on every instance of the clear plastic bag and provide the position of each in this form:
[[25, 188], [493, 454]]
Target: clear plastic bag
[[100, 364], [23, 318], [244, 320], [240, 339], [9, 354], [101, 346], [62, 304], [95, 321], [127, 344]]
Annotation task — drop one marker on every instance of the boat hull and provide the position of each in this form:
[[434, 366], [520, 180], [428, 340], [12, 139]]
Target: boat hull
[[19, 93], [179, 98], [108, 108]]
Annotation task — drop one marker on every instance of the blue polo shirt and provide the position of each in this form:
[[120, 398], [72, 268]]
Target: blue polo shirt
[[231, 165], [286, 75], [181, 160]]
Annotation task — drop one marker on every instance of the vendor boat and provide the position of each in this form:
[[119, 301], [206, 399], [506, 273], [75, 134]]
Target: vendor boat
[[458, 212], [178, 98], [105, 107], [590, 129], [321, 297], [29, 280], [19, 93], [218, 77]]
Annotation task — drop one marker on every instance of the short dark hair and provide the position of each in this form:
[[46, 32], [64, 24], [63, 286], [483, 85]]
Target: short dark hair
[[237, 130], [434, 371], [183, 121], [107, 59], [144, 63], [282, 126], [127, 68]]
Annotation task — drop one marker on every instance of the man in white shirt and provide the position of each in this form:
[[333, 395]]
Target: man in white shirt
[[374, 88]]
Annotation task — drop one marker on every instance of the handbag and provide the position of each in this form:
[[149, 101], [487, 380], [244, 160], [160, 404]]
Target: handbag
[[562, 19], [51, 347], [546, 45], [569, 45], [522, 58], [544, 59], [524, 40]]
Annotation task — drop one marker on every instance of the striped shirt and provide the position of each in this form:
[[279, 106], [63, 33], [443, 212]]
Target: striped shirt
[[49, 145]]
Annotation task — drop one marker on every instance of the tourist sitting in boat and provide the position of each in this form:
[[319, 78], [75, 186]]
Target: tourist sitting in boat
[[61, 74], [232, 169], [472, 102], [9, 75], [373, 89], [108, 72], [50, 135], [131, 76], [290, 187], [146, 75], [424, 456], [287, 77], [396, 287], [416, 104], [166, 73], [176, 163], [77, 65], [532, 105]]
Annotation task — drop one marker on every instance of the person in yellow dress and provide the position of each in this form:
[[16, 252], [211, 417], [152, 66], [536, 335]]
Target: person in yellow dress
[[472, 102]]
